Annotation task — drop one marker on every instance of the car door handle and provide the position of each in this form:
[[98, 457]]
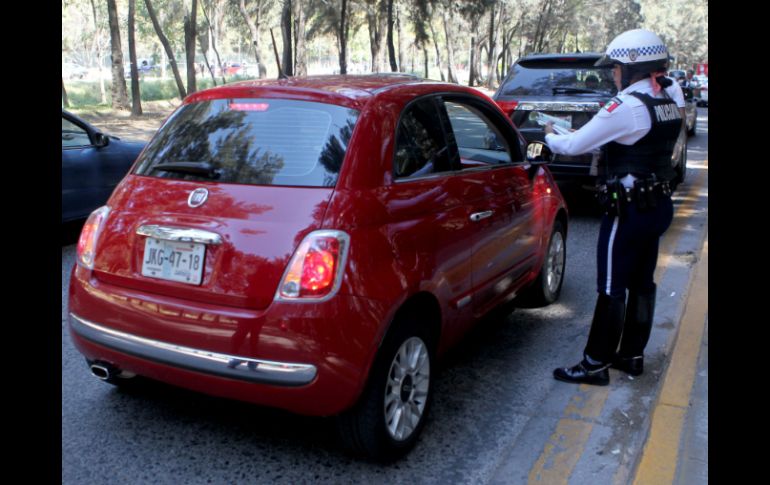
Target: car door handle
[[477, 216], [180, 234]]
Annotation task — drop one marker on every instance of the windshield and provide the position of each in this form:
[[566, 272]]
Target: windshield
[[252, 141], [554, 78]]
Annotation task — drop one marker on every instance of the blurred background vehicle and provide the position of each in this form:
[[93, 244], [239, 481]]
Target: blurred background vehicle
[[569, 90], [677, 73], [702, 97], [92, 164]]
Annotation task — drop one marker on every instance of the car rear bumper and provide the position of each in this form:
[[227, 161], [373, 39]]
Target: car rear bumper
[[196, 360], [311, 359]]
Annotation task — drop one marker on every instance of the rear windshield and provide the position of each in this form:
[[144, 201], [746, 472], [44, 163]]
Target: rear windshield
[[252, 141], [554, 78]]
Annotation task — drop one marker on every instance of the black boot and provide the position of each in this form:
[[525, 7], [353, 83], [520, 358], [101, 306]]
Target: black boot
[[606, 328], [630, 365], [584, 373], [636, 332]]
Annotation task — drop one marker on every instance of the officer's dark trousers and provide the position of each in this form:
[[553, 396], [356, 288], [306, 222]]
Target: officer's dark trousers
[[627, 254]]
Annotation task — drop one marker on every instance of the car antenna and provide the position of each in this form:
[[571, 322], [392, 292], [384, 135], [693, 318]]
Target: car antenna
[[281, 75]]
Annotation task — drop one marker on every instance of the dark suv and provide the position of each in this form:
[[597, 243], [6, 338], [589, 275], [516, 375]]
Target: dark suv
[[569, 90]]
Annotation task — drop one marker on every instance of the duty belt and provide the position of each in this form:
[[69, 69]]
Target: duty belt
[[615, 197]]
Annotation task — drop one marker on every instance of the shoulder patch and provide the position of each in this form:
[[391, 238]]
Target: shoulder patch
[[613, 104]]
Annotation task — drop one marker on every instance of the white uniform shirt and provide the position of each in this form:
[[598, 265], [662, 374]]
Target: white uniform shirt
[[624, 119]]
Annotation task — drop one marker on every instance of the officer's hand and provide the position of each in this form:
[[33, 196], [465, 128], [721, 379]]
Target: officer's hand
[[549, 128]]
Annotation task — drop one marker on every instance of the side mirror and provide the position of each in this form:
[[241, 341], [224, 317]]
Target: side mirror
[[101, 140], [539, 153]]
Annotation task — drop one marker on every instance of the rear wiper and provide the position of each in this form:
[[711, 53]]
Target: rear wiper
[[577, 90], [204, 169]]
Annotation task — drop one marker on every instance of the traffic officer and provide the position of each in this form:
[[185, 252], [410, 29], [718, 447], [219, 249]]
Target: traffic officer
[[638, 130]]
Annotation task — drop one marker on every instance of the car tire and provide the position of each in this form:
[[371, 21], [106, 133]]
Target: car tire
[[547, 287], [391, 412]]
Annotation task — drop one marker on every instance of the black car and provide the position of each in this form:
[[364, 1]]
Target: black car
[[568, 90], [92, 164]]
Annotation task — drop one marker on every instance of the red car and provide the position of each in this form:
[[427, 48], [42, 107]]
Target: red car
[[315, 244]]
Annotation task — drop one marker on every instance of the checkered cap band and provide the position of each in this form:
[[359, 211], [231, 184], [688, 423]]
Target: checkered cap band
[[644, 52]]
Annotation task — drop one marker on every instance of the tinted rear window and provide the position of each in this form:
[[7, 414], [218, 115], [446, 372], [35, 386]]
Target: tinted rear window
[[540, 78], [252, 141]]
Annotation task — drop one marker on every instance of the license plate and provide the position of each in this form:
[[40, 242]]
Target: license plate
[[173, 260]]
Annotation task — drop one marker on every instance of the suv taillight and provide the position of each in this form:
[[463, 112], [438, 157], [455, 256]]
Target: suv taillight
[[508, 107], [89, 235], [315, 271]]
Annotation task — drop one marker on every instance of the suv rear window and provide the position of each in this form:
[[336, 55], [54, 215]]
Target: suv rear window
[[552, 77], [252, 141]]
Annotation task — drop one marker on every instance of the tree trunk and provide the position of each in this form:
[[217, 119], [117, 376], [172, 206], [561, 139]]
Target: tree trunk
[[400, 43], [391, 47], [492, 64], [472, 59], [253, 25], [166, 47], [376, 20], [342, 37], [450, 50], [300, 53], [438, 52], [65, 101], [136, 97], [206, 59], [506, 50], [286, 60], [119, 91], [213, 44], [412, 55], [425, 56], [542, 25], [98, 48], [190, 26]]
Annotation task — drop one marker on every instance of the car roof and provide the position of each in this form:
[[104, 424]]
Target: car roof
[[588, 56], [348, 90]]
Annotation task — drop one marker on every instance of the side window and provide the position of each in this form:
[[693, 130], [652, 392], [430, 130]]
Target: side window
[[479, 141], [72, 135], [421, 148]]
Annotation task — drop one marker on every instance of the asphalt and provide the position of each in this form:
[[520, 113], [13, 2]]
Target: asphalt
[[652, 428]]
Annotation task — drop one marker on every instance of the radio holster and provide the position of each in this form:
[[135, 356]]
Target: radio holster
[[613, 197]]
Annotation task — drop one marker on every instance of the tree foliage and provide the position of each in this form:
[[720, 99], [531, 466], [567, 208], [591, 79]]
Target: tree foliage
[[467, 41]]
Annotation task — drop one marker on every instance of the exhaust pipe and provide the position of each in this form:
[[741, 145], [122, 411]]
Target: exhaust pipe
[[104, 371]]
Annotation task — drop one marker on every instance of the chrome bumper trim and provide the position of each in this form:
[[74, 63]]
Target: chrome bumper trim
[[180, 234], [223, 365]]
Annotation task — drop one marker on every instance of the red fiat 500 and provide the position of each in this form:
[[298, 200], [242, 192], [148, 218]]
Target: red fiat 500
[[314, 244]]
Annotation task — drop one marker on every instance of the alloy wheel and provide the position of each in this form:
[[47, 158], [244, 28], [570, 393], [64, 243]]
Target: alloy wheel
[[555, 262], [406, 389]]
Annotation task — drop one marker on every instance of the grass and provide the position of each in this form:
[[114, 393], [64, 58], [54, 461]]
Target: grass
[[86, 94]]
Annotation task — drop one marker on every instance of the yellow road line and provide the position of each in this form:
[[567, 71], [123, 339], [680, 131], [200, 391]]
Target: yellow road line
[[560, 455], [661, 453], [567, 443]]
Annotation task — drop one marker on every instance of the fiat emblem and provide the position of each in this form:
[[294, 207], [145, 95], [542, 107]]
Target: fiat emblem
[[197, 197]]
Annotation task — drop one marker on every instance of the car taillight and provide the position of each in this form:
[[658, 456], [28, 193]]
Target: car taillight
[[315, 271], [89, 235], [508, 107]]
